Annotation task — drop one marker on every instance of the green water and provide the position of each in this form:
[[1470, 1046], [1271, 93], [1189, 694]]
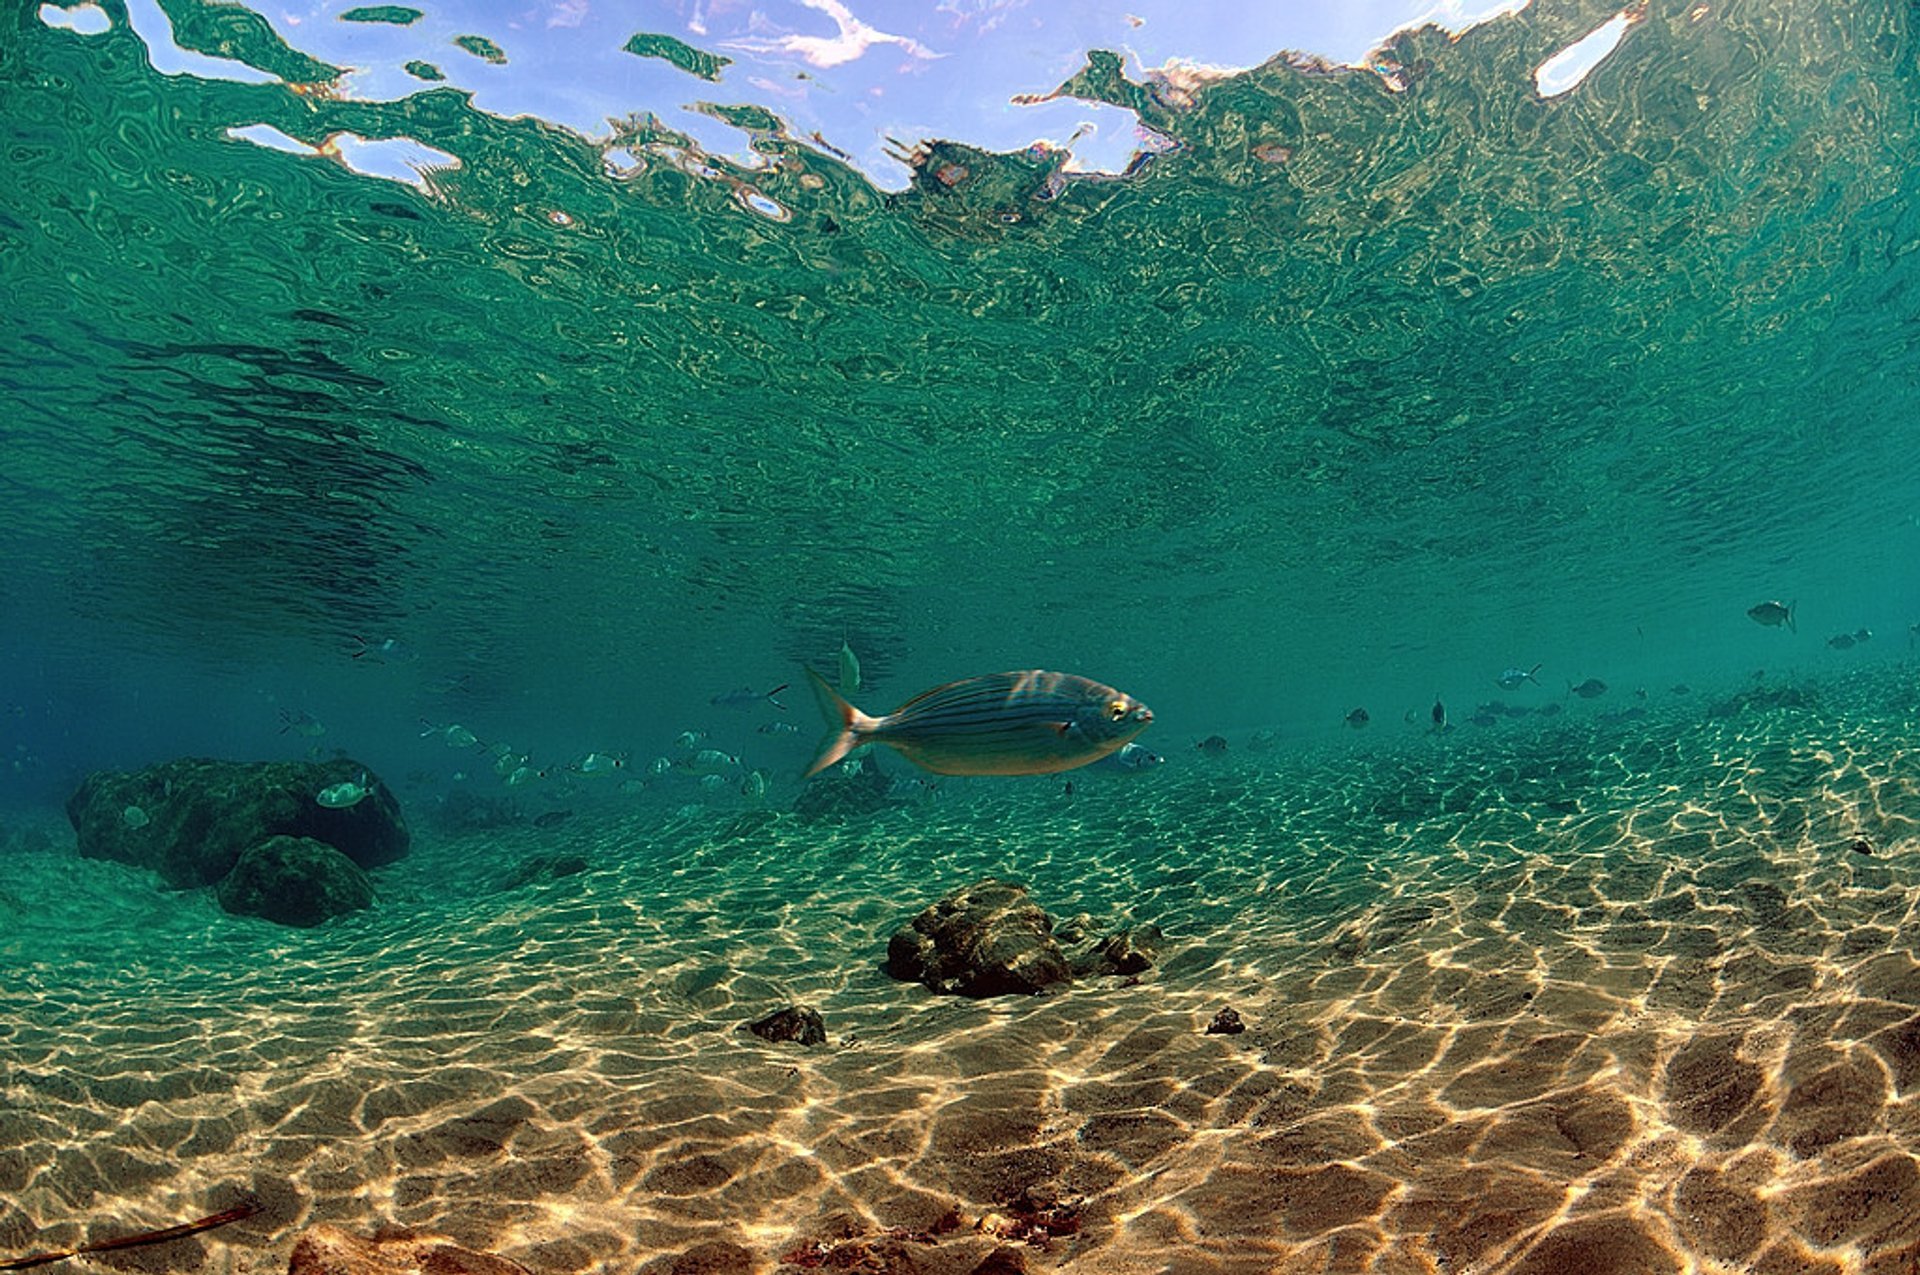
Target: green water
[[1470, 379], [1351, 398]]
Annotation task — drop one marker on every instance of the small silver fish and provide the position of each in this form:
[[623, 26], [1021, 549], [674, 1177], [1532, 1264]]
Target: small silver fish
[[1358, 719], [779, 728], [454, 736], [342, 796], [849, 669], [385, 651], [1131, 757], [747, 697], [754, 786], [1842, 641], [1592, 688], [301, 724], [690, 739], [1512, 678], [599, 764], [1774, 614], [709, 761]]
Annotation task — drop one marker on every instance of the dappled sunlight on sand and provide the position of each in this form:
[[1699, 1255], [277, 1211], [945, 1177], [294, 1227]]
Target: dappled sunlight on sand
[[1533, 1003]]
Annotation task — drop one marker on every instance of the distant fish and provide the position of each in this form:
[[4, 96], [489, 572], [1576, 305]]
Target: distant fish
[[385, 651], [1213, 746], [746, 697], [1512, 678], [912, 788], [1438, 713], [1484, 715], [708, 761], [1592, 688], [1679, 688], [1131, 757], [754, 786], [552, 818], [849, 670], [523, 775], [1774, 614], [598, 764], [779, 728], [345, 795], [690, 739], [1913, 635], [1863, 634], [1842, 641], [1357, 719], [1549, 710], [1024, 723], [1262, 741], [301, 724], [454, 736]]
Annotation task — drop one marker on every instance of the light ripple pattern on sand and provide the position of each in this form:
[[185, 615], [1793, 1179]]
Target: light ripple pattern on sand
[[1569, 1000]]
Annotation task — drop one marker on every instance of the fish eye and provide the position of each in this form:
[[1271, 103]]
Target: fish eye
[[1117, 709]]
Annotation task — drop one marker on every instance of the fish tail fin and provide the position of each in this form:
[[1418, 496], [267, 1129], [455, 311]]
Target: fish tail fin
[[1530, 674], [844, 723], [1791, 626], [1569, 690], [775, 691]]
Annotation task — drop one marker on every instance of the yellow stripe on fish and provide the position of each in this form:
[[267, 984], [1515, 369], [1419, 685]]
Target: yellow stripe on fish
[[1025, 723]]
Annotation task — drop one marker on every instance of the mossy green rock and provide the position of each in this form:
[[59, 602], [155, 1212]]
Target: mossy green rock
[[295, 881], [190, 820]]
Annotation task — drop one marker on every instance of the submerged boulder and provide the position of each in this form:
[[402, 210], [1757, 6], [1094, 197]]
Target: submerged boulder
[[1128, 952], [986, 939], [800, 1023], [295, 881], [190, 820]]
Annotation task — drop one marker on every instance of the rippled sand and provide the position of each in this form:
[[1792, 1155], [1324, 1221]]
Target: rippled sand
[[1574, 1000]]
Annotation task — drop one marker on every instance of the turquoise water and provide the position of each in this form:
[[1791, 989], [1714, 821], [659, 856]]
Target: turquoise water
[[1354, 397]]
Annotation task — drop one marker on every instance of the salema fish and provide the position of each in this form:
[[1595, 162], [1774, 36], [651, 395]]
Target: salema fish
[[1025, 723]]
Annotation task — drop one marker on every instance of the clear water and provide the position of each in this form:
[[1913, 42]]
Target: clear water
[[1356, 397]]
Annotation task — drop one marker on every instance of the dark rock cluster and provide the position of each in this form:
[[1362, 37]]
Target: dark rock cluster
[[256, 830], [990, 939], [799, 1023]]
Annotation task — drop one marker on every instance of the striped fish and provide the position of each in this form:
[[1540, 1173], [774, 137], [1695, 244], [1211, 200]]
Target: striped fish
[[1029, 723]]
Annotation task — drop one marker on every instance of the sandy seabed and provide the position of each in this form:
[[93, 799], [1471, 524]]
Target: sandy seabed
[[1572, 998]]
